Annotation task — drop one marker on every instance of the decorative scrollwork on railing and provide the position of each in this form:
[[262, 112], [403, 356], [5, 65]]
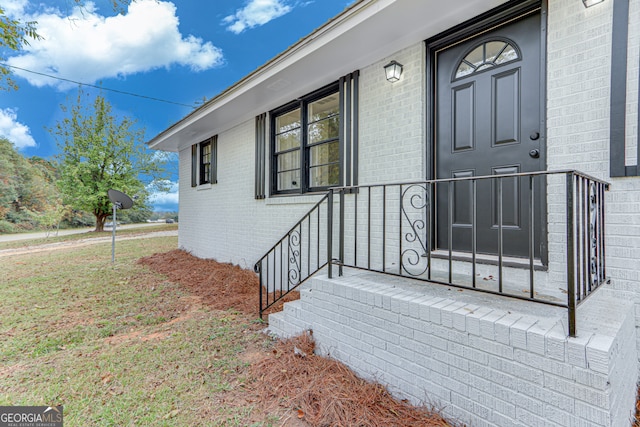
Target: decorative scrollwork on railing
[[414, 263], [414, 205], [294, 257]]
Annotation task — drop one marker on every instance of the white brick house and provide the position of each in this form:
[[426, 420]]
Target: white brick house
[[488, 89]]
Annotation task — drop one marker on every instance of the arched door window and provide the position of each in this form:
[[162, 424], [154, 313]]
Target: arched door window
[[488, 54]]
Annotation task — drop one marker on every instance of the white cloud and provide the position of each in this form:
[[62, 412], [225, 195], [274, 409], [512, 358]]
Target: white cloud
[[165, 156], [256, 13], [17, 133], [87, 46], [14, 8], [165, 201]]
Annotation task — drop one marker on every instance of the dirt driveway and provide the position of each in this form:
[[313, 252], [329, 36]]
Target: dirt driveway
[[83, 242]]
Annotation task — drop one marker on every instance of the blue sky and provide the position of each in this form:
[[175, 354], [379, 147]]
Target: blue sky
[[179, 51]]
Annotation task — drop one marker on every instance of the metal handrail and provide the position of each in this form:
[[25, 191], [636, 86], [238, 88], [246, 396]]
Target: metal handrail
[[584, 207], [288, 263], [399, 220], [476, 178]]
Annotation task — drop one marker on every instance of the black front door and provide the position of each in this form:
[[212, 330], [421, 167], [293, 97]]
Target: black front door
[[487, 122]]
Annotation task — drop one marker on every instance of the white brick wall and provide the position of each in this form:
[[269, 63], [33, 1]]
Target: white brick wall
[[484, 366], [392, 136], [578, 69], [223, 220], [579, 62]]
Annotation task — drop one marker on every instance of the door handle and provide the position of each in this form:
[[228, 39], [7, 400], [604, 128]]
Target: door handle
[[535, 153], [534, 136]]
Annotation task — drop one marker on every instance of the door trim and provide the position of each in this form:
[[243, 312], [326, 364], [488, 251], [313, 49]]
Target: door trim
[[497, 17]]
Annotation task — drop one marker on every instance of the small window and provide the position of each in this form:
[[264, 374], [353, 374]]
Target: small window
[[487, 55], [204, 162]]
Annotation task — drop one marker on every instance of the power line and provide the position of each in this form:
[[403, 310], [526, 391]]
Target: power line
[[97, 87]]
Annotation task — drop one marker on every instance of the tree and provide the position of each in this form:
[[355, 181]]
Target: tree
[[14, 35], [51, 217], [139, 213], [100, 151], [27, 189]]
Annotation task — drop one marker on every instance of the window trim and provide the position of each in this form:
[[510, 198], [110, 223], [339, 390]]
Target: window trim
[[197, 164], [491, 65], [304, 149]]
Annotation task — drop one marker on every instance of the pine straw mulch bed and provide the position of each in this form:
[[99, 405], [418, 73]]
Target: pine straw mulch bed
[[321, 391], [220, 285], [327, 393]]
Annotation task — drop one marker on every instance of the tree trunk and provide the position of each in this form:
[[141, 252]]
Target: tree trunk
[[100, 219]]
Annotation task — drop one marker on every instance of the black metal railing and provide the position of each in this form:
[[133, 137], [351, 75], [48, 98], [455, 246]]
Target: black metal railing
[[298, 254], [487, 233]]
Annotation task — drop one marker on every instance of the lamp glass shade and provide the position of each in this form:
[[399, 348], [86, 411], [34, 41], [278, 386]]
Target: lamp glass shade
[[393, 71]]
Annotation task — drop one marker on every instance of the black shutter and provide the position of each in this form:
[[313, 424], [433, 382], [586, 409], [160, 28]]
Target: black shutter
[[261, 141], [194, 165], [349, 128], [214, 159], [618, 100]]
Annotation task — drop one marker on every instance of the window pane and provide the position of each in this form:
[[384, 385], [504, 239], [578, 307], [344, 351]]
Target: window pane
[[324, 129], [324, 176], [325, 153], [206, 150], [288, 140], [205, 162], [509, 54], [323, 108], [289, 161], [206, 173], [289, 180], [493, 49], [485, 56], [288, 121], [464, 69], [476, 57]]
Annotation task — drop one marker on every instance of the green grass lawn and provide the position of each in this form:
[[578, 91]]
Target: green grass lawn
[[118, 345]]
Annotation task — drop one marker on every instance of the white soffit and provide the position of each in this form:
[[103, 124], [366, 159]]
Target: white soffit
[[367, 32]]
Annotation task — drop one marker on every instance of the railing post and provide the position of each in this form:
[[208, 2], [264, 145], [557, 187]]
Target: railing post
[[341, 231], [500, 235], [602, 189], [450, 226], [258, 269], [571, 292], [330, 234]]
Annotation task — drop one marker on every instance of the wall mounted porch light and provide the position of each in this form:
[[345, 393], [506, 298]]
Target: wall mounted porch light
[[393, 71], [589, 3]]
